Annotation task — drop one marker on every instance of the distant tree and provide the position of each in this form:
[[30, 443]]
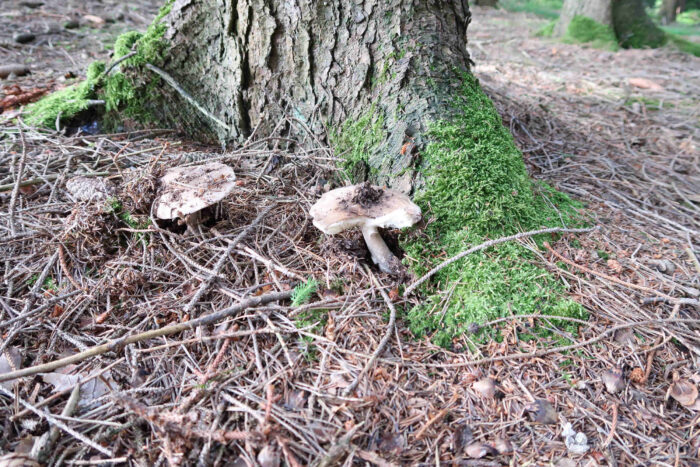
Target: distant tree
[[669, 10], [627, 19], [486, 2]]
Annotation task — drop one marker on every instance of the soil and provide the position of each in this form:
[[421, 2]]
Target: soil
[[367, 196]]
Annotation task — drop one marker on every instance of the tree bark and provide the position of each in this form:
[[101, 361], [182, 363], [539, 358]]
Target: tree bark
[[598, 10], [250, 62], [491, 3], [669, 8], [633, 27]]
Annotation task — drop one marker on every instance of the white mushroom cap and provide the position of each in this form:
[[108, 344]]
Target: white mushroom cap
[[338, 210], [190, 189]]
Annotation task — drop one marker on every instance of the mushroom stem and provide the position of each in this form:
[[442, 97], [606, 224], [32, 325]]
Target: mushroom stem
[[381, 255]]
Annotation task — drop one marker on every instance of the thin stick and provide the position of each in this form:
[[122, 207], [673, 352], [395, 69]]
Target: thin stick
[[56, 422], [171, 81], [204, 286], [540, 353], [18, 177], [612, 279], [385, 340], [166, 331], [488, 244]]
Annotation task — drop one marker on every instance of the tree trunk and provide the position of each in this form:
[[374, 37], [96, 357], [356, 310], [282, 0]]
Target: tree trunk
[[669, 10], [249, 62], [597, 10], [633, 27], [491, 3]]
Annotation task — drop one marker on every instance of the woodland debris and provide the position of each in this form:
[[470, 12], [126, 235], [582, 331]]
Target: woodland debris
[[685, 393], [576, 442], [10, 69], [485, 387], [541, 411], [90, 188], [613, 380]]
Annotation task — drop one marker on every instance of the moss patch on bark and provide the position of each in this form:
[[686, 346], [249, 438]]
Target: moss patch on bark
[[477, 188], [355, 140], [633, 27]]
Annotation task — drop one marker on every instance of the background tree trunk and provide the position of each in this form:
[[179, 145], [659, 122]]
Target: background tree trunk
[[492, 3], [598, 10], [633, 27], [249, 62], [668, 11]]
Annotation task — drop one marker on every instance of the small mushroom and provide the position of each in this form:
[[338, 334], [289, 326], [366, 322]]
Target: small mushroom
[[370, 208], [188, 190]]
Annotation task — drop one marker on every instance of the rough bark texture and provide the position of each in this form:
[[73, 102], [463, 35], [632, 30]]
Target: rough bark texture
[[633, 27], [598, 10], [321, 62]]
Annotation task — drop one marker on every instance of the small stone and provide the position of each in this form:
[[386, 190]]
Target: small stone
[[23, 37]]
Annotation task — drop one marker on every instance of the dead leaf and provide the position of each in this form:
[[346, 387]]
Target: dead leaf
[[479, 450], [10, 360], [485, 387], [89, 391], [541, 411], [461, 437], [685, 392], [614, 265], [269, 457], [94, 20], [613, 380], [644, 83], [503, 445], [18, 460]]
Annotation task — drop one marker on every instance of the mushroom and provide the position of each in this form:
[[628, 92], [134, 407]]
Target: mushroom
[[188, 190], [368, 207]]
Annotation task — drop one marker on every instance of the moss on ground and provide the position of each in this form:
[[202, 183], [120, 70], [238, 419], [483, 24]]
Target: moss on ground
[[684, 45], [125, 94], [477, 188], [548, 30], [583, 29]]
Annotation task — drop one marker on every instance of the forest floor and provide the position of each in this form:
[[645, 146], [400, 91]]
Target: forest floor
[[299, 383]]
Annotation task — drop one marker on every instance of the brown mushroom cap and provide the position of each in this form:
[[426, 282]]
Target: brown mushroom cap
[[340, 209], [190, 189]]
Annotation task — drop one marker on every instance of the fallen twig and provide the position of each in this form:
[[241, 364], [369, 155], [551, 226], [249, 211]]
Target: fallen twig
[[382, 343], [488, 244], [166, 331]]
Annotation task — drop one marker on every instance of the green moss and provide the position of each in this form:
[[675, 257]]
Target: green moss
[[548, 30], [67, 103], [126, 92], [355, 140], [583, 29], [685, 46], [477, 187]]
